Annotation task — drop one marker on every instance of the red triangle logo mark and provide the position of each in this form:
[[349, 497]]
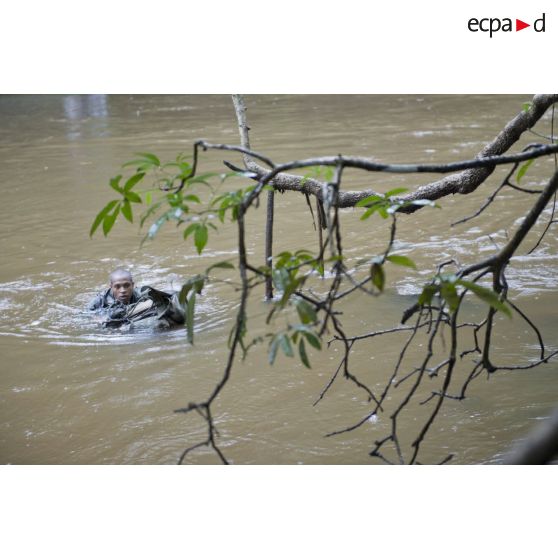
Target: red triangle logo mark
[[519, 25]]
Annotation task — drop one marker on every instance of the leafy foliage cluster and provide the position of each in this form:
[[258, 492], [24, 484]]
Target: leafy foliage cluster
[[166, 203]]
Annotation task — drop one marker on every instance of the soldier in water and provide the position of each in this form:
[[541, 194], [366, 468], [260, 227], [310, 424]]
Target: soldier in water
[[123, 303]]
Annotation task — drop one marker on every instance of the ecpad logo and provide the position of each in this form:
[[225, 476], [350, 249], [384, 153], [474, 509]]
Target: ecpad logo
[[494, 24]]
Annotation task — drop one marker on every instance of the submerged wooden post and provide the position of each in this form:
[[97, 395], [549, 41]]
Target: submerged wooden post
[[269, 243], [319, 211]]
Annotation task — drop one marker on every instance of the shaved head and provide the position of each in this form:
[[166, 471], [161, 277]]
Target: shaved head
[[120, 273]]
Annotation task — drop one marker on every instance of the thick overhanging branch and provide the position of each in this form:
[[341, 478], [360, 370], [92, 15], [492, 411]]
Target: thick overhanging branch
[[465, 181]]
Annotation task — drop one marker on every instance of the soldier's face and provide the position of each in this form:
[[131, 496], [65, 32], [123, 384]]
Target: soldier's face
[[122, 289]]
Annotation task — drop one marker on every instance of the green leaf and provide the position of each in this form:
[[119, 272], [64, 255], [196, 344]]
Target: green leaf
[[127, 211], [149, 198], [523, 169], [183, 294], [200, 238], [449, 294], [133, 197], [131, 182], [273, 346], [286, 346], [370, 199], [109, 220], [190, 317], [427, 294], [197, 282], [151, 158], [135, 163], [283, 259], [487, 295], [221, 265], [292, 284], [186, 172], [306, 312], [401, 260], [382, 210], [114, 184], [192, 198], [190, 229], [369, 212], [279, 276], [302, 353], [101, 215], [304, 253], [313, 339], [378, 276], [395, 192], [526, 107]]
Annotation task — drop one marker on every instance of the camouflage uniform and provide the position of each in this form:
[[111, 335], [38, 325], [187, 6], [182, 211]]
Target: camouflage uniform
[[165, 306]]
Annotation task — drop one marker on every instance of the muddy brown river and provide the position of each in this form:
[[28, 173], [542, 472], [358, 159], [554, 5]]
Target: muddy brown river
[[72, 392]]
